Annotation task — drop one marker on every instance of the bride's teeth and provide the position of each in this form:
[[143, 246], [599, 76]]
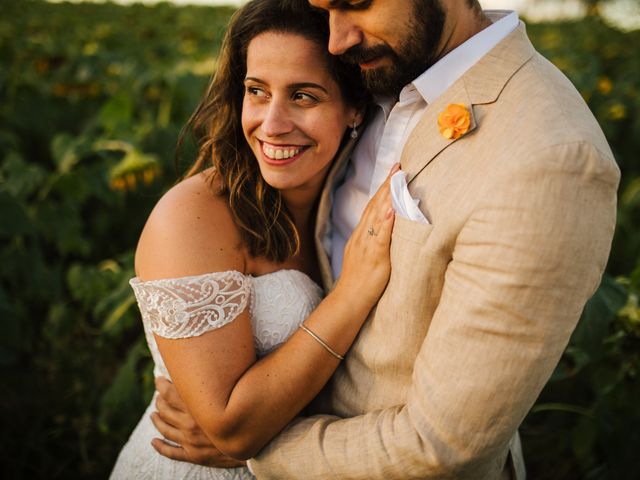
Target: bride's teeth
[[280, 154]]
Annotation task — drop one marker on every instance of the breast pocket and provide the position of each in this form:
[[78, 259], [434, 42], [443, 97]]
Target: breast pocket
[[411, 231], [401, 309], [408, 247]]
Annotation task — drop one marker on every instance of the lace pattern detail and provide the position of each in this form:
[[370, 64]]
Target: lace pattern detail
[[190, 306], [279, 302]]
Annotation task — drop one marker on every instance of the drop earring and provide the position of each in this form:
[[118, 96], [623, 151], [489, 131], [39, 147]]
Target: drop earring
[[354, 132]]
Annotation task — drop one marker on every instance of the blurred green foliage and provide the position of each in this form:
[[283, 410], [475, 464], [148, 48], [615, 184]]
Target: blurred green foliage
[[92, 98], [586, 423]]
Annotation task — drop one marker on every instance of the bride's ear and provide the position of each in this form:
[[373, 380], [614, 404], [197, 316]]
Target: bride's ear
[[358, 117]]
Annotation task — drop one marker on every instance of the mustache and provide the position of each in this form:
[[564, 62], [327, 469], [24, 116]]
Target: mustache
[[359, 54]]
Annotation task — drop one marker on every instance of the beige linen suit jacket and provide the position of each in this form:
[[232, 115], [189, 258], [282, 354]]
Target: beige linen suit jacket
[[481, 303]]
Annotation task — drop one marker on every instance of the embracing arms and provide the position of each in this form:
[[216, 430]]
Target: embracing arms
[[523, 265], [239, 403]]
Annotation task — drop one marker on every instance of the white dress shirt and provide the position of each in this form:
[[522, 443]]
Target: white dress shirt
[[383, 140]]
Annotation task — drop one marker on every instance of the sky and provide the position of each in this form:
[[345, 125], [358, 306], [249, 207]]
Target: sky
[[624, 13]]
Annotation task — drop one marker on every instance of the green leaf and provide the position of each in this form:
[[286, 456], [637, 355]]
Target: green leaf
[[11, 340], [117, 113], [583, 440], [15, 220], [19, 178], [594, 325], [125, 394], [69, 150], [630, 197], [117, 305], [134, 162], [63, 226]]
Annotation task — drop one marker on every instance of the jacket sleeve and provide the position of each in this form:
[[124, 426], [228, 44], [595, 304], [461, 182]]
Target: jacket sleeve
[[525, 262]]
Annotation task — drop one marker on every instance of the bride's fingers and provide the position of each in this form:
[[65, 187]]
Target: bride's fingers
[[386, 224], [378, 208], [395, 168]]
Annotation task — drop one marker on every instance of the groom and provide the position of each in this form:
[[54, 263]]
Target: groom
[[518, 186]]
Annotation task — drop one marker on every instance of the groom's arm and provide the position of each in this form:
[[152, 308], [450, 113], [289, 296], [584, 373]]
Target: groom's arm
[[523, 266]]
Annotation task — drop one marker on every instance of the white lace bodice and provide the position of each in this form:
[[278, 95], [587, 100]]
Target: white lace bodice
[[190, 306]]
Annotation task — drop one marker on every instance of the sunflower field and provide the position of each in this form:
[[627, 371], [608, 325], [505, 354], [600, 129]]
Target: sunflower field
[[92, 100]]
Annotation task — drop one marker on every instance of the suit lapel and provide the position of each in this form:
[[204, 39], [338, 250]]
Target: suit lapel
[[426, 141], [480, 85], [324, 211]]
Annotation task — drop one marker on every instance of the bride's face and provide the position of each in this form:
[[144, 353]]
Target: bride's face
[[293, 114]]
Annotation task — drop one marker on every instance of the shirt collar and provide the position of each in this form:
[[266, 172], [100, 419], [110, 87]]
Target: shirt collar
[[442, 74]]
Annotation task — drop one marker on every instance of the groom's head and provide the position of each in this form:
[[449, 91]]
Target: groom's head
[[394, 41]]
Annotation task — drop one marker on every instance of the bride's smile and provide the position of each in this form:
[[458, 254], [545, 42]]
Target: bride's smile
[[293, 113]]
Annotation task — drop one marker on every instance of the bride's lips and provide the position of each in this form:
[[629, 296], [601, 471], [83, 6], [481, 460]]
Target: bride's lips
[[281, 155]]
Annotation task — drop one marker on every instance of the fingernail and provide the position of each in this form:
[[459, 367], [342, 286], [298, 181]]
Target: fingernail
[[390, 212]]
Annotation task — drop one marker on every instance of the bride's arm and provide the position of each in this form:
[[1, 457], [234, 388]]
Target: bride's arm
[[239, 404]]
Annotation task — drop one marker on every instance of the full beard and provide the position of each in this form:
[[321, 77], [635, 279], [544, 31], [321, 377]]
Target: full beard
[[417, 52]]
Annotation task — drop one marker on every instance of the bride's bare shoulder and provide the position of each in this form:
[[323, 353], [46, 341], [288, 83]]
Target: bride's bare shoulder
[[189, 232]]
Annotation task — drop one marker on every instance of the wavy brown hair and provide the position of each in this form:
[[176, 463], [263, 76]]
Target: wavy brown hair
[[265, 224]]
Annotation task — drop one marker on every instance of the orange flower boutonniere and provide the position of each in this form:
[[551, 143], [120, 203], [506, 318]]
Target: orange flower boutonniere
[[454, 121]]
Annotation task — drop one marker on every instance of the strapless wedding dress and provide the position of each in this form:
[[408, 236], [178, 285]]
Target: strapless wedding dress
[[191, 306]]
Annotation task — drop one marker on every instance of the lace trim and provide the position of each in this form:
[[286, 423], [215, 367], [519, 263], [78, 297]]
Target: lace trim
[[190, 306]]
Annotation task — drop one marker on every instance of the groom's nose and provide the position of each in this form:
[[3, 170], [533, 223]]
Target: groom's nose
[[343, 32]]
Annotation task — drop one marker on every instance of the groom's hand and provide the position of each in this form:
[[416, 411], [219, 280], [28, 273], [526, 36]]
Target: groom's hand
[[176, 424]]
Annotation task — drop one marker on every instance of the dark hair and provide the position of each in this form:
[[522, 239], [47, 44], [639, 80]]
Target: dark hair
[[265, 224]]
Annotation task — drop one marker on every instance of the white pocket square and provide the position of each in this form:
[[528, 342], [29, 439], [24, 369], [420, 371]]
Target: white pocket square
[[401, 199]]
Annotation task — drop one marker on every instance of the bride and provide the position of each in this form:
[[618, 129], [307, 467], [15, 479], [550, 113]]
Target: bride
[[226, 264]]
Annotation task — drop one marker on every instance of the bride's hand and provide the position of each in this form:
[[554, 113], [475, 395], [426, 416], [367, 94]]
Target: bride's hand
[[366, 266], [175, 423]]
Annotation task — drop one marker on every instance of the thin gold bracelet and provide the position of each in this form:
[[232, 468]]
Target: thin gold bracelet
[[321, 342]]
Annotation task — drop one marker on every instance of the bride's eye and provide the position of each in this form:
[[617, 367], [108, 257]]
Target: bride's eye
[[304, 98], [254, 91]]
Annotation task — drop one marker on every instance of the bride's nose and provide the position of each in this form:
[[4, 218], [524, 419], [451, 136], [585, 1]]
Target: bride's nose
[[277, 119]]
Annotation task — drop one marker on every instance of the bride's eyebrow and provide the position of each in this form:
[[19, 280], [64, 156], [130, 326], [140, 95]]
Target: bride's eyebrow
[[295, 86]]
